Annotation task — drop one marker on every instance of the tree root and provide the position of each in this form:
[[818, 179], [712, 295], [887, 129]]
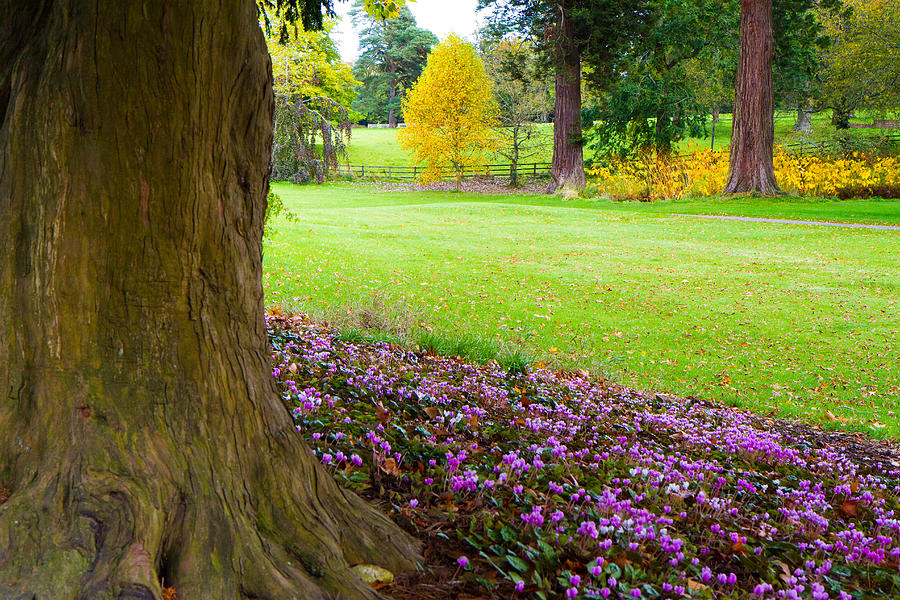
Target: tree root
[[70, 535]]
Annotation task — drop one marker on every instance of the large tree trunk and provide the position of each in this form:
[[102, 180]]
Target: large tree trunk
[[141, 435], [568, 159], [753, 131]]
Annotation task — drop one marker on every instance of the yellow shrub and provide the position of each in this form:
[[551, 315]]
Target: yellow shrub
[[704, 174]]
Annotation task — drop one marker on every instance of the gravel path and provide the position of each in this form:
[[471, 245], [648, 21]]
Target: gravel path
[[793, 222]]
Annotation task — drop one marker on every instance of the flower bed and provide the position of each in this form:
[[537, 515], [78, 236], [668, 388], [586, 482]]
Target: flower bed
[[547, 484]]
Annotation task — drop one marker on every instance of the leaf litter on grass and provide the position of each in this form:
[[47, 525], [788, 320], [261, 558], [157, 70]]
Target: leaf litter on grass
[[544, 483]]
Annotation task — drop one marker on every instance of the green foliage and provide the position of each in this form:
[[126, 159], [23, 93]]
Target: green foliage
[[278, 15], [861, 67], [652, 104], [308, 63], [392, 56], [275, 208], [602, 28]]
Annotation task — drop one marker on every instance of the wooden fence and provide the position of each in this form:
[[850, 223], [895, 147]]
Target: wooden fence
[[410, 173], [833, 146]]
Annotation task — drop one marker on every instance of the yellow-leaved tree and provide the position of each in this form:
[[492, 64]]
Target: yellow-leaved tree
[[450, 112]]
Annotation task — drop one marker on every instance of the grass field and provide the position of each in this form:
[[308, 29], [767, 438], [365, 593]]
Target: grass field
[[802, 320], [380, 146]]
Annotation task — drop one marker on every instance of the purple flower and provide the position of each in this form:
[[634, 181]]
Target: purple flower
[[463, 562], [574, 580], [520, 585], [414, 503], [571, 592]]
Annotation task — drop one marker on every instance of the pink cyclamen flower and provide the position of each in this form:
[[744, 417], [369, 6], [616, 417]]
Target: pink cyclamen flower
[[463, 562]]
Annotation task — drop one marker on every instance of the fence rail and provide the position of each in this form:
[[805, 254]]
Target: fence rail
[[834, 146], [410, 173]]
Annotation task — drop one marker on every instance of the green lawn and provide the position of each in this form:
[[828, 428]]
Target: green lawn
[[797, 319], [380, 147]]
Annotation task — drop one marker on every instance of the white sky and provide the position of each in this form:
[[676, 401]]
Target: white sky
[[441, 17]]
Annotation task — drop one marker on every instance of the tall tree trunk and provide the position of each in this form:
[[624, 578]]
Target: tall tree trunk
[[141, 435], [568, 159], [751, 167], [715, 119], [392, 94]]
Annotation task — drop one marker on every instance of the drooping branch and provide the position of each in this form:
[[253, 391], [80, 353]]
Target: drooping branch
[[311, 137]]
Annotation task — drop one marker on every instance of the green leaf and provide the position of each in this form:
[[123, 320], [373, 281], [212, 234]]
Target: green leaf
[[517, 563]]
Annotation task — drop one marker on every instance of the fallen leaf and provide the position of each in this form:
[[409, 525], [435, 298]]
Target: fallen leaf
[[373, 574]]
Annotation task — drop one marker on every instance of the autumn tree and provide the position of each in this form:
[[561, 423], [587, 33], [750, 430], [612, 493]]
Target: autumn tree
[[392, 56], [450, 112], [861, 67], [142, 438], [522, 94]]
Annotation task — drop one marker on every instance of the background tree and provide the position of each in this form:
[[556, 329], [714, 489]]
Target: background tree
[[450, 111], [568, 32], [751, 167], [711, 79], [313, 94], [141, 434], [861, 67], [522, 95], [392, 56], [652, 104]]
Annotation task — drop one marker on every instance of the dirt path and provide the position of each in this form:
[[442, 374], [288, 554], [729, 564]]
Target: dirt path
[[793, 222]]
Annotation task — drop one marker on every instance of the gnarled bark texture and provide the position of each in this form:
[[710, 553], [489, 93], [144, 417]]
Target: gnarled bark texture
[[141, 435], [751, 167], [568, 159]]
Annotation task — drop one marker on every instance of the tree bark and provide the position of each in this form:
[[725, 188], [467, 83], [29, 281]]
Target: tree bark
[[141, 435], [568, 158], [392, 94], [751, 166], [804, 121], [840, 114]]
